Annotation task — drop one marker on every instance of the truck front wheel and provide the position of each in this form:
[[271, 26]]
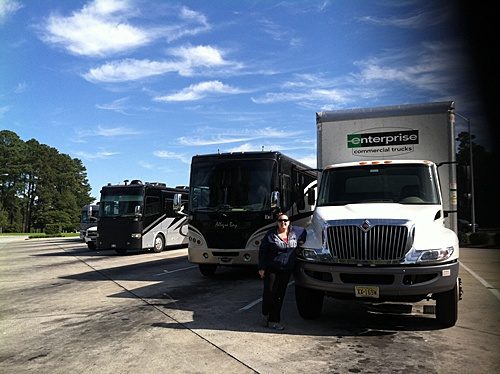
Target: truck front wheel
[[447, 306], [208, 269], [309, 302]]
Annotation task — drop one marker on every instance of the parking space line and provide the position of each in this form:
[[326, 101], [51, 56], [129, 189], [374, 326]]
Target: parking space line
[[259, 300], [174, 271], [490, 288]]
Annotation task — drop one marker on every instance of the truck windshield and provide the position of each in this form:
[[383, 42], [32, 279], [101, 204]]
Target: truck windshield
[[120, 202], [231, 185], [395, 183]]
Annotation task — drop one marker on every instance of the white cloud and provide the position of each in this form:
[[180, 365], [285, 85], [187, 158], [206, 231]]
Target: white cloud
[[199, 91], [7, 9], [187, 61], [107, 132], [337, 96], [103, 27], [422, 19], [95, 155], [429, 68], [210, 136], [115, 131], [4, 109], [129, 70], [20, 88], [172, 155], [117, 105], [100, 28], [310, 160]]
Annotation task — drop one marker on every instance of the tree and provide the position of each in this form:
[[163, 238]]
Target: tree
[[39, 186], [485, 194]]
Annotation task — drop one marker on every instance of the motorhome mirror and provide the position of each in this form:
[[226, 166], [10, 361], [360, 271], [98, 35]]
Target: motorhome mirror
[[177, 202], [275, 199], [137, 211], [311, 196]]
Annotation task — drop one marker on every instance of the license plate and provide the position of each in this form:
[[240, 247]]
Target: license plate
[[366, 291]]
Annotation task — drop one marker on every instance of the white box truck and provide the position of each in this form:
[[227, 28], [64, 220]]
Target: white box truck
[[384, 224]]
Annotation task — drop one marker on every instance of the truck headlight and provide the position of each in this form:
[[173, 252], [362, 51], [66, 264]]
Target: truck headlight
[[432, 255], [135, 235], [308, 254]]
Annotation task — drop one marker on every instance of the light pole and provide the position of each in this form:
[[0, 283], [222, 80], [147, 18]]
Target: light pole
[[472, 206]]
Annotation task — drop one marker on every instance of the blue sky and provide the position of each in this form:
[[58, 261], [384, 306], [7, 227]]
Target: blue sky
[[135, 88]]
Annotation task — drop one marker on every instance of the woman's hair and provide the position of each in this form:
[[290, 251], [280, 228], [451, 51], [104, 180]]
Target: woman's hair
[[280, 214]]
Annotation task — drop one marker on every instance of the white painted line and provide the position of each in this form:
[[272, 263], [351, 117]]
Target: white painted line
[[490, 288], [174, 271], [246, 307], [255, 302]]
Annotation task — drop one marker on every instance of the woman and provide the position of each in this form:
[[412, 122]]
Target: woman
[[276, 261]]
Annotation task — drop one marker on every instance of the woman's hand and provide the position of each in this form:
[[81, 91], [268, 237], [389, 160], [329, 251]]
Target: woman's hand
[[261, 273]]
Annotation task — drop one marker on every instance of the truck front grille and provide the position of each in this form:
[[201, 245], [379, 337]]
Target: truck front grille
[[369, 241]]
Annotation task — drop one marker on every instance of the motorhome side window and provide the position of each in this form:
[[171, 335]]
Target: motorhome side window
[[287, 192], [153, 205]]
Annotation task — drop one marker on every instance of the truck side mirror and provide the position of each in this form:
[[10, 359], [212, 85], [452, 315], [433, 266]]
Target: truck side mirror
[[275, 199], [177, 204], [137, 211], [311, 196]]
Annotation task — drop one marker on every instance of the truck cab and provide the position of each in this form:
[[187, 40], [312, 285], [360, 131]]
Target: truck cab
[[384, 224]]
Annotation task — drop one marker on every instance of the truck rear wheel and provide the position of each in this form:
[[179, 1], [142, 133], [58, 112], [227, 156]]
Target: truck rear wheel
[[91, 245], [207, 269], [447, 306], [159, 244], [309, 302]]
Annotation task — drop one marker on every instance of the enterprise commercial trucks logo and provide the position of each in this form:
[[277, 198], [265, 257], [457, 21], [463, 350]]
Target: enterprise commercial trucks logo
[[384, 143]]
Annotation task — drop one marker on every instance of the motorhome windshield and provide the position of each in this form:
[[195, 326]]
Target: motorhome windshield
[[231, 185], [89, 214], [120, 202], [396, 183]]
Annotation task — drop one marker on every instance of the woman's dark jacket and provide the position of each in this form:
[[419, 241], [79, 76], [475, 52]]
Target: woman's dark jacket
[[276, 254]]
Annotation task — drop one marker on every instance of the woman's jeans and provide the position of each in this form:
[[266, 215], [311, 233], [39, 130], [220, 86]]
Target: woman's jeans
[[275, 284]]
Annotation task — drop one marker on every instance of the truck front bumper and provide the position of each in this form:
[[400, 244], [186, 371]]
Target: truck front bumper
[[393, 281], [227, 257]]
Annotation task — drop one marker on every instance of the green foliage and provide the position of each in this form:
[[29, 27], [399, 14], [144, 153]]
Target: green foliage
[[478, 238], [52, 228], [39, 186]]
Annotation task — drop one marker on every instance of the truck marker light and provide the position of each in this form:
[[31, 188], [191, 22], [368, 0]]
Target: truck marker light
[[363, 163], [387, 162], [375, 162]]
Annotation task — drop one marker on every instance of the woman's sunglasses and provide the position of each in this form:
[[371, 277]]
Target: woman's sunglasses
[[283, 220]]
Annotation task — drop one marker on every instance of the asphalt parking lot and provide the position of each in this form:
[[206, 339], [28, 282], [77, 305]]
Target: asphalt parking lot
[[65, 309]]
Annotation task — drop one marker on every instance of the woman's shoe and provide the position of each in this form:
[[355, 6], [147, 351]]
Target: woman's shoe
[[265, 321]]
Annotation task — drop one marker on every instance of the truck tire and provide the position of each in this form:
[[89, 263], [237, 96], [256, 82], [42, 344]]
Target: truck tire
[[207, 269], [159, 244], [447, 306], [91, 245], [309, 302]]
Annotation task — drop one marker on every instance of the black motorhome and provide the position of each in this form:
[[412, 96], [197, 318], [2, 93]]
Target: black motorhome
[[136, 215], [233, 199]]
